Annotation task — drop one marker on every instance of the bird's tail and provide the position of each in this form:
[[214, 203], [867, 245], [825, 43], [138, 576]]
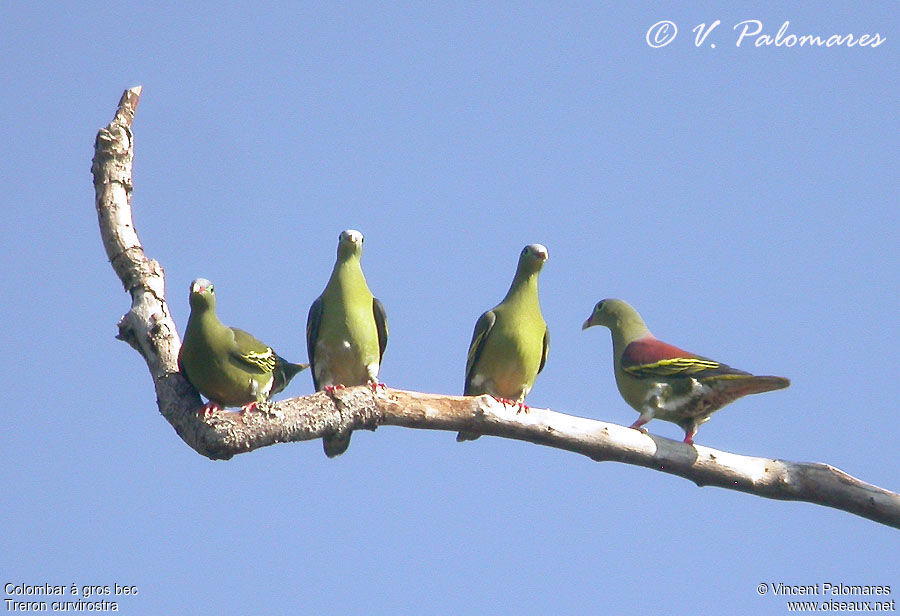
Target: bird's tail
[[336, 444], [738, 386], [284, 372], [760, 384]]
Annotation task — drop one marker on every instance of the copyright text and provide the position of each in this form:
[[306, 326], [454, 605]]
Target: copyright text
[[753, 33]]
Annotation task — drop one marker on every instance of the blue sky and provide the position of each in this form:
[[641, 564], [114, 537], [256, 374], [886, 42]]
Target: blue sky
[[744, 199]]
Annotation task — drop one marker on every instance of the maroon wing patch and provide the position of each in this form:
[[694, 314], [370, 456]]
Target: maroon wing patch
[[652, 358], [651, 351]]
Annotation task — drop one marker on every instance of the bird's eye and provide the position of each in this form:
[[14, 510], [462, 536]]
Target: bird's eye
[[599, 306], [525, 250]]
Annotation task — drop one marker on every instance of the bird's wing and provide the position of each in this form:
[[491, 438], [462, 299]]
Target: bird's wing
[[381, 325], [251, 354], [312, 335], [476, 347], [651, 358], [546, 351]]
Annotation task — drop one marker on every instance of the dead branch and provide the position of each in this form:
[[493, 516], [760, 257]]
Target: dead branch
[[149, 328]]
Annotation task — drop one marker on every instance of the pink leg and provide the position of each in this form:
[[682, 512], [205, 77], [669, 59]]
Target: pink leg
[[521, 407], [250, 406], [689, 436], [376, 385], [330, 388], [639, 424], [209, 408]]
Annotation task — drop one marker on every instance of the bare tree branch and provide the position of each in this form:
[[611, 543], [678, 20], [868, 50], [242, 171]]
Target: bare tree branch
[[149, 328]]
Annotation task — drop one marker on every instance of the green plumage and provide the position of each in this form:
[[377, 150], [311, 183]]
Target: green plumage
[[511, 342], [346, 330], [227, 365], [663, 381]]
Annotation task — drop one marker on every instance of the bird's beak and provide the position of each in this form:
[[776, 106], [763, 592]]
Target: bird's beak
[[586, 325]]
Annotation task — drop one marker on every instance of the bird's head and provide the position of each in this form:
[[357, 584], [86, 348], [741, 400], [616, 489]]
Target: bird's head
[[532, 258], [350, 243], [202, 294], [608, 312]]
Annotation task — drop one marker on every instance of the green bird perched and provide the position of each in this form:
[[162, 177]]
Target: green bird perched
[[346, 330], [227, 365], [660, 380], [510, 343]]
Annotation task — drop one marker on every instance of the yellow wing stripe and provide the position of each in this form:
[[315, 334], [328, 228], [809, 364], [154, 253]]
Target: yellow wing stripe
[[265, 360], [670, 367]]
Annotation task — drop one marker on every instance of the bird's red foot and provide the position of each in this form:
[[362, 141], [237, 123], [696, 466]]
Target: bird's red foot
[[329, 389], [689, 438], [639, 426], [250, 406], [376, 385], [209, 408], [521, 407]]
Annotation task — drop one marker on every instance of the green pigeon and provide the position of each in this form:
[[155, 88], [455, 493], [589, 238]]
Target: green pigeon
[[660, 380], [346, 330], [510, 343], [227, 365]]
